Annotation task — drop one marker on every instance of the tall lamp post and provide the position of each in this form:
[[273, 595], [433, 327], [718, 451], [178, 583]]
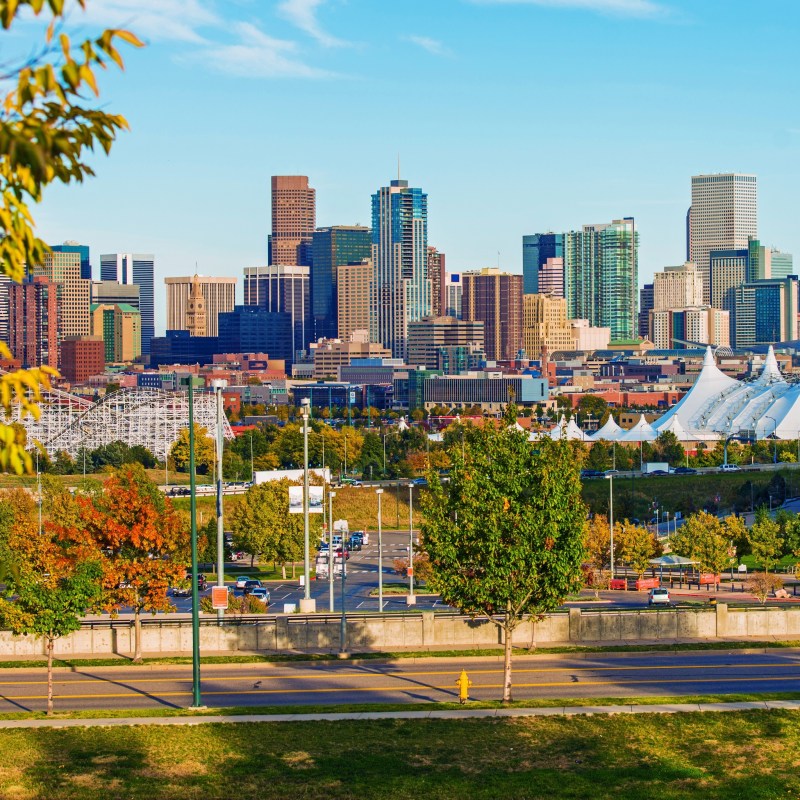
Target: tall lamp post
[[331, 495], [379, 492], [774, 438], [611, 518], [218, 385], [343, 625], [411, 600], [196, 699], [307, 604]]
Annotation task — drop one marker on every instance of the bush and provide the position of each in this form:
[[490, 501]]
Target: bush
[[246, 604]]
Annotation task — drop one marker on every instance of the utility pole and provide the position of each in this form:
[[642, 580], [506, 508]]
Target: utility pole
[[218, 385], [196, 699]]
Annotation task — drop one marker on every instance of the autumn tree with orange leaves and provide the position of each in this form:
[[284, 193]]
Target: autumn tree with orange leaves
[[140, 541]]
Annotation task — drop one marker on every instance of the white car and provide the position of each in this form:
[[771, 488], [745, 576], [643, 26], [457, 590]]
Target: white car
[[658, 596], [241, 581], [730, 468]]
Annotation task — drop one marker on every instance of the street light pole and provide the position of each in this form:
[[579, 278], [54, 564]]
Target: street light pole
[[611, 519], [411, 599], [218, 385], [307, 604], [196, 699], [331, 495], [379, 492], [343, 626]]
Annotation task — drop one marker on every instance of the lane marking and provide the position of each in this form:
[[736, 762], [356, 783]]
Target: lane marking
[[319, 675]]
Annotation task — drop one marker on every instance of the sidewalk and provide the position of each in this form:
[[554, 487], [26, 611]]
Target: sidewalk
[[466, 713]]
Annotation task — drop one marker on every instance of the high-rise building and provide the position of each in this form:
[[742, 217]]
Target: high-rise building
[[82, 357], [545, 328], [723, 216], [252, 329], [332, 248], [82, 250], [601, 276], [427, 337], [196, 311], [766, 312], [401, 286], [33, 322], [219, 295], [537, 250], [113, 293], [452, 295], [767, 262], [677, 287], [495, 298], [74, 293], [729, 269], [138, 269], [330, 355], [354, 283], [283, 289], [436, 273], [646, 301], [120, 326], [782, 264], [551, 277], [684, 327], [294, 218], [5, 283]]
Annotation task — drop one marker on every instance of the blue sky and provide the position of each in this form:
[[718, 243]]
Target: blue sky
[[516, 116]]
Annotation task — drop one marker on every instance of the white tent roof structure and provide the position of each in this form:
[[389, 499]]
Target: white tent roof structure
[[642, 431], [569, 429], [719, 406], [610, 432], [674, 426]]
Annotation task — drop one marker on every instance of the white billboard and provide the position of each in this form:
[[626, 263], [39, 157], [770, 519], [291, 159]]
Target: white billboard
[[314, 499], [262, 476]]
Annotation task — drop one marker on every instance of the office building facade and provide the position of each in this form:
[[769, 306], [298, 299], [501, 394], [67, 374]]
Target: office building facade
[[437, 273], [545, 328], [219, 296], [646, 303], [495, 298], [724, 214], [428, 337], [401, 287], [686, 327], [601, 276], [294, 218], [537, 250], [766, 312], [332, 248], [82, 357], [113, 293], [677, 287], [120, 327], [34, 322], [283, 289], [82, 250], [253, 329], [453, 291], [354, 288], [138, 269]]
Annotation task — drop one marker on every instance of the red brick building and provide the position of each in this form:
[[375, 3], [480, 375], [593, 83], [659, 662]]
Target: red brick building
[[33, 315], [82, 357]]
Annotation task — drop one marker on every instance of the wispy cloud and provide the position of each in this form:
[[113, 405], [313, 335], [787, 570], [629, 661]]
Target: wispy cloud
[[235, 48], [156, 20], [257, 55], [303, 14], [627, 8], [433, 46]]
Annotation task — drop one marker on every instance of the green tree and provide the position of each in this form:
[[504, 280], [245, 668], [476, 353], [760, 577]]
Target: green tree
[[765, 540], [48, 131], [204, 450], [637, 546], [669, 449], [591, 405], [505, 535], [707, 540], [599, 456]]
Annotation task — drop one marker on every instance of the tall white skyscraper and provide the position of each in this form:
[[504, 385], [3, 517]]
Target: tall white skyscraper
[[723, 215], [136, 268], [677, 287]]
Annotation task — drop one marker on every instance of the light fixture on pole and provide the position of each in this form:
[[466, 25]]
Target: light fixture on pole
[[411, 600], [331, 495], [307, 604], [610, 477], [343, 624], [218, 385], [379, 492]]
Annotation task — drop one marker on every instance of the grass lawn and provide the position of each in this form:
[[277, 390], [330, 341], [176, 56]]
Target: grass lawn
[[748, 754]]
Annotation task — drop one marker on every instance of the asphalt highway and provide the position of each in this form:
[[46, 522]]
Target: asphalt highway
[[662, 674]]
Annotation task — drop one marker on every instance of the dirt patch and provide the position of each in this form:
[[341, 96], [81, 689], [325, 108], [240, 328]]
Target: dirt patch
[[299, 760]]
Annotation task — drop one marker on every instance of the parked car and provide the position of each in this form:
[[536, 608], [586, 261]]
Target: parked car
[[420, 481], [658, 596], [355, 543], [730, 468], [252, 584], [657, 472], [684, 471], [338, 552], [241, 581], [349, 482], [322, 546], [260, 593]]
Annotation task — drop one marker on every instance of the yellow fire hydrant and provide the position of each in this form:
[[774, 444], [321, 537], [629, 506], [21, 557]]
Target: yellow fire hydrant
[[463, 684]]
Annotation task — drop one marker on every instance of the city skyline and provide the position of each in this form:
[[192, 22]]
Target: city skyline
[[491, 141]]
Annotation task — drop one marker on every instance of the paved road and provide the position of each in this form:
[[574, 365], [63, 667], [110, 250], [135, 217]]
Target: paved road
[[670, 674]]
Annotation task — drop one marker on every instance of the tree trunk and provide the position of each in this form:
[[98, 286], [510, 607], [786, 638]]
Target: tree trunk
[[252, 560], [50, 642], [293, 570], [508, 630], [137, 636], [283, 571]]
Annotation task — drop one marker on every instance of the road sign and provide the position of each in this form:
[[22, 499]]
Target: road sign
[[410, 571], [219, 597]]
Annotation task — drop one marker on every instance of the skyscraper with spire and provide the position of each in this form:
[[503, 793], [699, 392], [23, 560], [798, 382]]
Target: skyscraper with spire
[[401, 289], [196, 310]]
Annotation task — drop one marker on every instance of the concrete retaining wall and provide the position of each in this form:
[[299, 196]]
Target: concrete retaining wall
[[418, 631]]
